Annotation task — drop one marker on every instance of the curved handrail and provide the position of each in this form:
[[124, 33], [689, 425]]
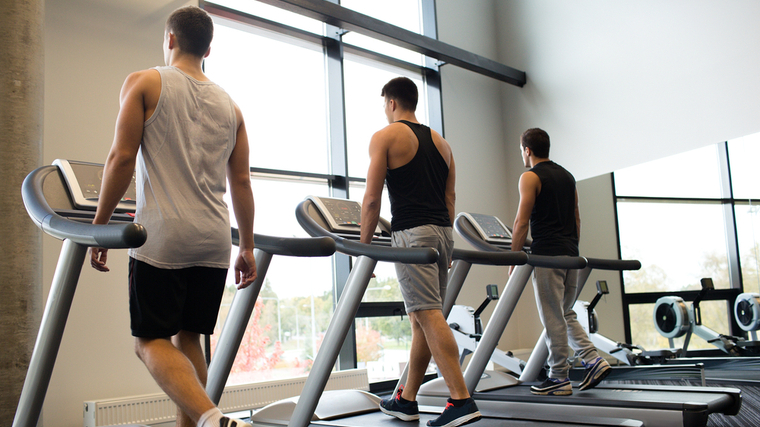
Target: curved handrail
[[613, 264], [490, 258], [465, 229], [113, 236], [290, 246], [348, 247], [564, 262]]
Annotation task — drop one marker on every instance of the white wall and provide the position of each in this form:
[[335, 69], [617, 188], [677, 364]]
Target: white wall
[[599, 240], [618, 83], [473, 120]]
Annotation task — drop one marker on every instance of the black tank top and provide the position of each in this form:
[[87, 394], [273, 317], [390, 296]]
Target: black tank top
[[417, 189], [552, 222]]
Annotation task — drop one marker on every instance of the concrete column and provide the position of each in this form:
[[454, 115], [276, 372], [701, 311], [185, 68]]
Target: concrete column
[[21, 114]]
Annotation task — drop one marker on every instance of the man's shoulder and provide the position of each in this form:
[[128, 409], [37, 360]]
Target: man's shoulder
[[529, 175], [389, 133], [149, 76]]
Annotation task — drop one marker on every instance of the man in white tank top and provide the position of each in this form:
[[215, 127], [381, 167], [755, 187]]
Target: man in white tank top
[[186, 139]]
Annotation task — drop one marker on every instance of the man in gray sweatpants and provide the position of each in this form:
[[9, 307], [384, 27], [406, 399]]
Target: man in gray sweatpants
[[549, 207]]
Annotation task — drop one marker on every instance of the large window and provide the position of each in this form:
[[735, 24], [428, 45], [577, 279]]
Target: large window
[[688, 217], [309, 133], [283, 106]]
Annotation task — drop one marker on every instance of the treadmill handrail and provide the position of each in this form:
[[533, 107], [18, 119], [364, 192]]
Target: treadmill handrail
[[566, 262], [490, 258], [112, 236], [378, 253], [613, 264], [290, 246]]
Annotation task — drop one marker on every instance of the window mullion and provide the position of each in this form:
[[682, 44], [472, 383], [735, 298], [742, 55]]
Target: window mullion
[[336, 112]]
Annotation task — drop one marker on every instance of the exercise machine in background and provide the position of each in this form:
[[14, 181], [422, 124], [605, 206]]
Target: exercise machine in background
[[627, 354], [655, 405], [747, 313], [674, 319], [468, 329]]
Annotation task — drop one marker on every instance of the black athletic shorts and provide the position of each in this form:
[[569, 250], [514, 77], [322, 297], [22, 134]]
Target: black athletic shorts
[[163, 302]]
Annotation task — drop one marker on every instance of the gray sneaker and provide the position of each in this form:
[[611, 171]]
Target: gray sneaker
[[596, 371], [553, 387]]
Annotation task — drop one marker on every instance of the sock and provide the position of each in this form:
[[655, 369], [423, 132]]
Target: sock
[[458, 403], [210, 418], [404, 401]]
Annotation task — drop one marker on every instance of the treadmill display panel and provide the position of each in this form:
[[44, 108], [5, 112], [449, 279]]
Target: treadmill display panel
[[84, 180], [342, 215], [490, 228]]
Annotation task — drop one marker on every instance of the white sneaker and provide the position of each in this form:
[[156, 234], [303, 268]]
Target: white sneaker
[[232, 422]]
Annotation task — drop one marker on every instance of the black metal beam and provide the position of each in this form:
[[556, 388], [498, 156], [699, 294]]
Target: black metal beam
[[348, 19]]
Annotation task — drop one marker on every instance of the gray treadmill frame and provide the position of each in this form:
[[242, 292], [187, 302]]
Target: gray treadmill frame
[[351, 298], [77, 237], [691, 414]]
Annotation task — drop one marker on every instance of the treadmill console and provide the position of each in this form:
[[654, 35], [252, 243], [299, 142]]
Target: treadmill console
[[343, 216], [83, 182], [490, 228]]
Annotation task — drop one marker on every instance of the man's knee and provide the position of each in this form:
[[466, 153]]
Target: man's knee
[[144, 345], [140, 345], [185, 339], [423, 318]]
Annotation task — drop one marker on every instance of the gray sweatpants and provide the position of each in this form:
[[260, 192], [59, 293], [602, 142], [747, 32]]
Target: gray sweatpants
[[555, 291], [423, 286]]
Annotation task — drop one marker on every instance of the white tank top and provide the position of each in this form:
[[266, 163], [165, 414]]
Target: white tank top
[[182, 175]]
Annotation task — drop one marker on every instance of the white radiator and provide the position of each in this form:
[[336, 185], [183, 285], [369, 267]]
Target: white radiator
[[157, 408]]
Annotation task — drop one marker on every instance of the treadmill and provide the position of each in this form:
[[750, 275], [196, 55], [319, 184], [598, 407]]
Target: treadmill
[[654, 405], [61, 199], [339, 219]]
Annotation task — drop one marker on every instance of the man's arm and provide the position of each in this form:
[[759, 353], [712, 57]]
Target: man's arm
[[451, 194], [378, 166], [120, 163], [239, 176], [577, 216], [529, 186]]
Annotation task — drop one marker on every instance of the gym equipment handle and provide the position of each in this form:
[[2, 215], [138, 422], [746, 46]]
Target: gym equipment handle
[[348, 247], [112, 236], [613, 264], [290, 246]]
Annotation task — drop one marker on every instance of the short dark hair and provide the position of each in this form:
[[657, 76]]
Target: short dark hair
[[403, 91], [193, 28], [537, 140]]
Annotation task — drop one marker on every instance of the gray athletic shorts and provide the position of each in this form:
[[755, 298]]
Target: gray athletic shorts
[[423, 286]]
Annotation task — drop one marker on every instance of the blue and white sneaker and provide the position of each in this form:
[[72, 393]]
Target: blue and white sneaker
[[596, 371], [393, 406], [453, 416], [553, 387]]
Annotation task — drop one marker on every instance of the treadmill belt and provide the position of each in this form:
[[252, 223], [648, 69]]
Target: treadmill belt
[[611, 395], [379, 419]]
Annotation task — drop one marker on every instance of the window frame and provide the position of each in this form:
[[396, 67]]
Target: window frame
[[339, 180], [736, 287]]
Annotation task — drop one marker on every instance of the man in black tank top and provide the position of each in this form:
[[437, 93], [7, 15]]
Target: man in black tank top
[[549, 206], [418, 167]]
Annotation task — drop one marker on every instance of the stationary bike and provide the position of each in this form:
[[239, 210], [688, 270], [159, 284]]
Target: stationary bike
[[468, 329], [628, 354]]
